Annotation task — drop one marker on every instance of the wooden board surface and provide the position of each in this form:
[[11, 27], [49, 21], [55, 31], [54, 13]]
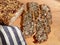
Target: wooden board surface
[[54, 36]]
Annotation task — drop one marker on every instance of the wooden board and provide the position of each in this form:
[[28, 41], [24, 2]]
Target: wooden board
[[54, 36]]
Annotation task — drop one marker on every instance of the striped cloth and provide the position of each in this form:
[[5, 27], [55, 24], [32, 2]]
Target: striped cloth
[[11, 35]]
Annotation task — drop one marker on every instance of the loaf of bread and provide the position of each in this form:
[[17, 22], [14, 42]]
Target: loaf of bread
[[8, 8], [36, 21], [43, 23]]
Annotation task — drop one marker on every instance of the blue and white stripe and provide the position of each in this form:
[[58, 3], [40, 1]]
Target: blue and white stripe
[[12, 35]]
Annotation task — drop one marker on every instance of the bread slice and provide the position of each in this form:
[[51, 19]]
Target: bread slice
[[28, 25], [36, 21], [43, 23], [31, 13]]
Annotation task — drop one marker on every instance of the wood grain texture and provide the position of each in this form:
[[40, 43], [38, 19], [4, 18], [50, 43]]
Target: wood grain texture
[[54, 36]]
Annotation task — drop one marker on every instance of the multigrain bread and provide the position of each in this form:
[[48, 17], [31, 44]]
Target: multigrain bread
[[27, 22], [33, 7], [42, 30], [31, 13], [28, 25], [36, 21], [7, 10], [46, 13], [43, 23]]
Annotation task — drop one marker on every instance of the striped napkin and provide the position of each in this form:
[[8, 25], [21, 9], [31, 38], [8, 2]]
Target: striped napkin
[[11, 35]]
